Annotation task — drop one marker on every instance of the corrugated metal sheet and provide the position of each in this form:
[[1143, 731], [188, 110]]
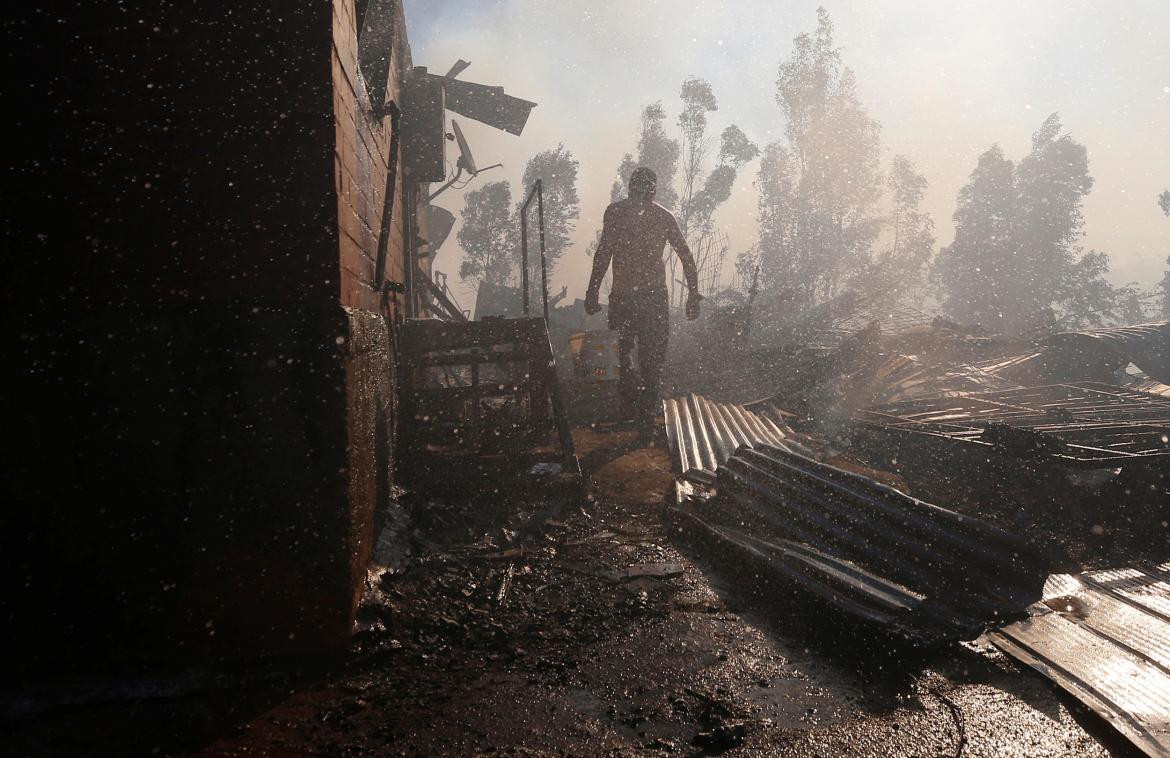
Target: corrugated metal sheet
[[1104, 636], [923, 572], [703, 434], [1145, 345], [1087, 424], [1149, 386]]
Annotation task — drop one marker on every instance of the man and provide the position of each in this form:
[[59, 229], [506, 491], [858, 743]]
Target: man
[[633, 235]]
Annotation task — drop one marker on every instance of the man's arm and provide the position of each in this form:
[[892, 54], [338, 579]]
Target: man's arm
[[675, 237], [602, 256]]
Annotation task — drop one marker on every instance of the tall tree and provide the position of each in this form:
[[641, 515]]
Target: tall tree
[[557, 171], [657, 151], [973, 271], [488, 235], [1164, 285], [818, 189], [1016, 264], [898, 264], [698, 99], [735, 149], [699, 192], [1051, 183], [1085, 298], [1131, 307]]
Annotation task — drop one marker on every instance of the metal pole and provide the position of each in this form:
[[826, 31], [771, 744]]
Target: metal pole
[[411, 261], [538, 192], [524, 250], [543, 265], [388, 200]]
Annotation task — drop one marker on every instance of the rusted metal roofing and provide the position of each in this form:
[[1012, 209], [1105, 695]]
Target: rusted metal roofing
[[703, 434], [922, 572], [1104, 636], [1088, 424]]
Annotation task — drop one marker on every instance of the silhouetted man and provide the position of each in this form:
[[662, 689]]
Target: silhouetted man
[[634, 233]]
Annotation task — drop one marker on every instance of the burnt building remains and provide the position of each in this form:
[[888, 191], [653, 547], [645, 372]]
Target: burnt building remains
[[210, 254]]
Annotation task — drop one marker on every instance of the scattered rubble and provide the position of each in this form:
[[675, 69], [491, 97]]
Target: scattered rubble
[[1027, 438]]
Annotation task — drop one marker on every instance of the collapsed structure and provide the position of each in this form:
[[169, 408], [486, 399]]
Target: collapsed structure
[[1026, 443]]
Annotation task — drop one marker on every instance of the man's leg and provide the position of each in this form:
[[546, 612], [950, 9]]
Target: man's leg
[[628, 378], [653, 337]]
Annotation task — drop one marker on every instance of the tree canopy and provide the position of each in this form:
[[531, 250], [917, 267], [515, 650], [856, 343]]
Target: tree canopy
[[557, 171], [820, 187], [488, 236], [490, 233], [1016, 264]]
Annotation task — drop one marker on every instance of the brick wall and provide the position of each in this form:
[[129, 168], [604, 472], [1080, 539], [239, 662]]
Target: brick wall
[[362, 162]]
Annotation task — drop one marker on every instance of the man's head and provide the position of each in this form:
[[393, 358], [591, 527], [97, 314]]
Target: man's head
[[643, 184]]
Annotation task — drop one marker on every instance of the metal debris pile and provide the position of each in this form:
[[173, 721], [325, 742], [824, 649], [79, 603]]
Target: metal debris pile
[[1033, 452], [921, 572], [1086, 425]]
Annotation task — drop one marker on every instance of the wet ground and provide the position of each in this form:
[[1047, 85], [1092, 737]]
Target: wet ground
[[530, 625]]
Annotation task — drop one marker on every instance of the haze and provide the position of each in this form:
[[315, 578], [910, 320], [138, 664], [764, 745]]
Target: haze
[[945, 81]]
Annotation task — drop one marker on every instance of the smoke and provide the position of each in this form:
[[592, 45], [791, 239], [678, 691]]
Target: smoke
[[945, 82]]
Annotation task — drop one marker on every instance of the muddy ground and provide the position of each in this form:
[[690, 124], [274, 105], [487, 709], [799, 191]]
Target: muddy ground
[[533, 621]]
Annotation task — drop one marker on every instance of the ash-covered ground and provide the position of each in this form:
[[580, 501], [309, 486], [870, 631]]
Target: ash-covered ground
[[536, 620]]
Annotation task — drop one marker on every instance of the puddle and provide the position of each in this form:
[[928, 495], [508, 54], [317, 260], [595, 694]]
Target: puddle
[[1069, 605]]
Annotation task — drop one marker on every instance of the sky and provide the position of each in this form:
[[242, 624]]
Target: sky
[[945, 80]]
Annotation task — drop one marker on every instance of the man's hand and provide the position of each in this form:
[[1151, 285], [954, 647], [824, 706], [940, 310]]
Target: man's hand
[[591, 304], [693, 305]]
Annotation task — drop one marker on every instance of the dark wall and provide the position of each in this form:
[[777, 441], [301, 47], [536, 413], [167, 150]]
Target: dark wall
[[171, 152], [178, 366]]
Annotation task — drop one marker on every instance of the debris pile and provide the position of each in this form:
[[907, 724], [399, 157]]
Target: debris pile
[[921, 572], [1084, 425], [1036, 453]]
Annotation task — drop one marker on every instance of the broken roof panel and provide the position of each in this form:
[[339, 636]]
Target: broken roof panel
[[1149, 386], [923, 572], [1104, 636], [488, 105], [1090, 425], [1145, 345]]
